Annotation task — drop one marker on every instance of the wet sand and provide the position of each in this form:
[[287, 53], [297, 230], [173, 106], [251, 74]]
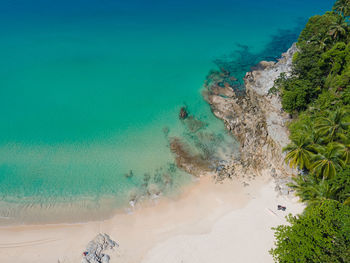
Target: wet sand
[[161, 231]]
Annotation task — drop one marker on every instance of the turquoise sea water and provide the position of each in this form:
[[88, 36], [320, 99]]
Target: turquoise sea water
[[87, 88]]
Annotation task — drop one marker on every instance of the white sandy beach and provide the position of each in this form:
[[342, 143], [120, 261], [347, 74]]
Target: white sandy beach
[[242, 235], [208, 223]]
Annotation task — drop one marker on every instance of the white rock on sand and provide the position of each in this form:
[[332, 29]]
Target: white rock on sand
[[94, 252], [244, 235]]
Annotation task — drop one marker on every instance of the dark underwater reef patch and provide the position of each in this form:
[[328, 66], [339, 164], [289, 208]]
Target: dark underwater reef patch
[[233, 67], [199, 150], [187, 159]]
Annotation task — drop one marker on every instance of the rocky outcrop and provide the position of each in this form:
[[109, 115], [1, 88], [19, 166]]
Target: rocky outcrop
[[183, 113], [256, 118], [94, 252]]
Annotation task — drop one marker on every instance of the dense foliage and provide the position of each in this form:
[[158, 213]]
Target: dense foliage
[[320, 235], [317, 94], [322, 63]]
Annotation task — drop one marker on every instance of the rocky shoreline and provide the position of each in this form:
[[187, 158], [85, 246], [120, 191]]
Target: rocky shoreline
[[256, 119]]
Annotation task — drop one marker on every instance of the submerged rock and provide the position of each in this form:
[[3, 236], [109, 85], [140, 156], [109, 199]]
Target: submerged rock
[[129, 174], [194, 125], [166, 131], [96, 247], [187, 160], [183, 113]]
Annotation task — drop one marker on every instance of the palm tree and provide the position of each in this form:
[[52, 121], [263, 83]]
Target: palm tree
[[313, 191], [345, 151], [339, 28], [332, 125], [347, 201], [324, 43], [299, 152], [342, 7], [320, 41], [328, 161], [314, 136]]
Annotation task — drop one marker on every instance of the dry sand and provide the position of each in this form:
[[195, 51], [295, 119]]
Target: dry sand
[[243, 235], [208, 223]]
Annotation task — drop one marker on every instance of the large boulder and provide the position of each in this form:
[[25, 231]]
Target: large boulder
[[94, 252]]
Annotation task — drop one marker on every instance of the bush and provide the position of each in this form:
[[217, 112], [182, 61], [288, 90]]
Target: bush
[[320, 235], [296, 94]]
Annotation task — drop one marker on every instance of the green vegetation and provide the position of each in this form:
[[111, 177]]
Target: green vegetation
[[321, 234], [320, 67], [317, 94], [342, 7]]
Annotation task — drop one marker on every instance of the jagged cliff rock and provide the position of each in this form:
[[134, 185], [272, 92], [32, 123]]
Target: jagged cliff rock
[[256, 119]]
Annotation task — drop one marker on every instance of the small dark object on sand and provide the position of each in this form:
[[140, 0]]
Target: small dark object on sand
[[183, 113], [283, 208]]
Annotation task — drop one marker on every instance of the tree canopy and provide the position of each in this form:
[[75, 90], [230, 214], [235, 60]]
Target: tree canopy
[[317, 95], [321, 235]]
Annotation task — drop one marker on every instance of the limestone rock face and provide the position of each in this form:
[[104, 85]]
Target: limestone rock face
[[256, 119]]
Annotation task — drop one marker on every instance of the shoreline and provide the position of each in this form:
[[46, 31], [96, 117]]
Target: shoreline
[[242, 235], [195, 212], [214, 210], [225, 105], [207, 213]]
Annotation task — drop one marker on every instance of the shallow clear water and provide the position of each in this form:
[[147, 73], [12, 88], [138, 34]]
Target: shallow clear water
[[87, 87]]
